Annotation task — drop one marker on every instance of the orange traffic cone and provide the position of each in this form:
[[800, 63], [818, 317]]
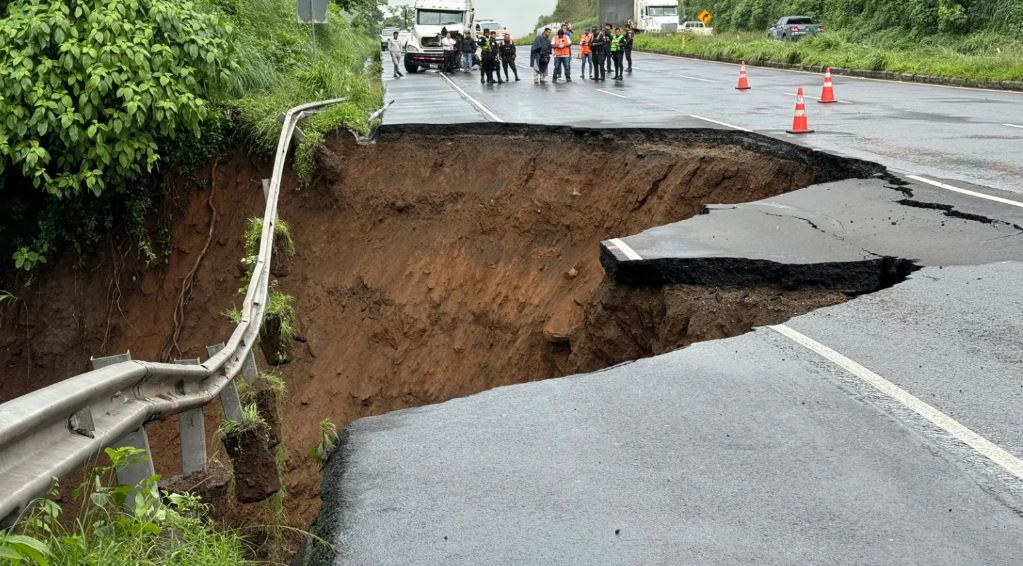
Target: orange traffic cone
[[828, 95], [743, 81], [799, 123]]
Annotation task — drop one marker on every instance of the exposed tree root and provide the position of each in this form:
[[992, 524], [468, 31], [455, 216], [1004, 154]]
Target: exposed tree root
[[172, 348]]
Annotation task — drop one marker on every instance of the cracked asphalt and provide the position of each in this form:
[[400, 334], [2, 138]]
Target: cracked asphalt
[[885, 430]]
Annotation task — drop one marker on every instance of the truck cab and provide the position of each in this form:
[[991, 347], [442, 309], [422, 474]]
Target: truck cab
[[433, 16], [656, 16]]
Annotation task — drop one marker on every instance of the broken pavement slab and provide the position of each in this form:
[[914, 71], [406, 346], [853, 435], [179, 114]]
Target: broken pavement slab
[[747, 450], [857, 235]]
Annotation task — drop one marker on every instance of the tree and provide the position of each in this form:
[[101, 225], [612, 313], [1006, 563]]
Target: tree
[[88, 87]]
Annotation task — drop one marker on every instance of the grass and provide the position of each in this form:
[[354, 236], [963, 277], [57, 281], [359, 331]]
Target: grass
[[981, 57], [279, 70], [281, 307], [161, 529], [251, 419], [283, 241]]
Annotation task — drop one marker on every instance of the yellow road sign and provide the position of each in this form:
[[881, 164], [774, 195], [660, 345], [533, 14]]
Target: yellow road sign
[[705, 17]]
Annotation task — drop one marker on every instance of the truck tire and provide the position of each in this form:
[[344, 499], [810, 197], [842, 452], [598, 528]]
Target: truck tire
[[411, 67]]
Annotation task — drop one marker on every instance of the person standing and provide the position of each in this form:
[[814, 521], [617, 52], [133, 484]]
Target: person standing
[[618, 52], [508, 54], [562, 55], [495, 47], [608, 34], [448, 43], [586, 52], [630, 36], [599, 47], [394, 49], [540, 54], [468, 49]]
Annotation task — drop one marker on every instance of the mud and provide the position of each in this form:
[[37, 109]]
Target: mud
[[436, 263]]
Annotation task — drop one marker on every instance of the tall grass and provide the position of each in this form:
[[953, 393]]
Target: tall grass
[[981, 57], [279, 69]]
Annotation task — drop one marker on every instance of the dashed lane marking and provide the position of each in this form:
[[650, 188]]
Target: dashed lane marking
[[978, 443], [477, 104], [965, 191], [814, 97], [697, 79], [611, 93], [625, 249], [725, 124], [1013, 126]]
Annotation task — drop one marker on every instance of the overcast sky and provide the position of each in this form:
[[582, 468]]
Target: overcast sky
[[519, 15]]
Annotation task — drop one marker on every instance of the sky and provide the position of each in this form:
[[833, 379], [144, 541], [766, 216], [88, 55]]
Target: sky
[[518, 15]]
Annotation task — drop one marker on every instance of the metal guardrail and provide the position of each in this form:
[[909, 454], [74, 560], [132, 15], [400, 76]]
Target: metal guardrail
[[52, 432]]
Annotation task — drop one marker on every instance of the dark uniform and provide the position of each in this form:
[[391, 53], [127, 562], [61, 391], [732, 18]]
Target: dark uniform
[[599, 47], [608, 32], [630, 36], [488, 54], [508, 53]]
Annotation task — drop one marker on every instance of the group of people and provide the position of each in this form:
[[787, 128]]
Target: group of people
[[600, 49]]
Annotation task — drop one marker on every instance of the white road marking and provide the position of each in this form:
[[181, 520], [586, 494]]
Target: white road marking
[[477, 104], [981, 445], [611, 93], [814, 97], [1013, 126], [965, 191], [697, 79], [625, 249], [725, 124]]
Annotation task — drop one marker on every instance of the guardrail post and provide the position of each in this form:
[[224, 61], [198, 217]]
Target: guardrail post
[[138, 472], [229, 398], [192, 429], [266, 188]]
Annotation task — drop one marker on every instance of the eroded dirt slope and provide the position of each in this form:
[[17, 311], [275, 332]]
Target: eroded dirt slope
[[435, 263]]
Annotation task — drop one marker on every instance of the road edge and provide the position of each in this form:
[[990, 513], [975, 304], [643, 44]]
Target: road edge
[[1008, 86]]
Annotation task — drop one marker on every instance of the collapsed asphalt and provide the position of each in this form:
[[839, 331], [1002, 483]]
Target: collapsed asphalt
[[754, 448]]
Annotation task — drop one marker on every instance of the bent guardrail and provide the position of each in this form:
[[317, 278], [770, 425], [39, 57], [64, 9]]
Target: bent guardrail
[[51, 432]]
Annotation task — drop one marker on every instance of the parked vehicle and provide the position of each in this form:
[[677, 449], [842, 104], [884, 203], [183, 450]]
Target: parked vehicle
[[643, 15], [696, 28], [791, 28], [423, 48], [492, 25], [384, 36]]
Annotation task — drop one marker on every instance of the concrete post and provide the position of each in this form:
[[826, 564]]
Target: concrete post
[[192, 430], [229, 398]]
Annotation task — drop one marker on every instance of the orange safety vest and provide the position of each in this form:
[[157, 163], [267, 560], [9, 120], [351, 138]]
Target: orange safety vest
[[562, 46], [586, 44]]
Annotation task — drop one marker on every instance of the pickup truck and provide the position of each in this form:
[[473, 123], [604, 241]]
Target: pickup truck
[[696, 28], [791, 28]]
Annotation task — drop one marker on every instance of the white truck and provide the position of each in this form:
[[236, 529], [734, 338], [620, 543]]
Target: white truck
[[432, 16], [655, 16]]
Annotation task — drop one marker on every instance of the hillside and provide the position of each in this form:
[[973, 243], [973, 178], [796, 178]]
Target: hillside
[[921, 17]]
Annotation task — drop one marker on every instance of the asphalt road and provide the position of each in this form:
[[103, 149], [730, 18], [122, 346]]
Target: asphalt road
[[967, 135], [885, 430], [751, 450]]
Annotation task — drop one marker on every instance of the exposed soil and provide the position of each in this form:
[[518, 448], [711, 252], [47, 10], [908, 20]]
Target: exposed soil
[[433, 264]]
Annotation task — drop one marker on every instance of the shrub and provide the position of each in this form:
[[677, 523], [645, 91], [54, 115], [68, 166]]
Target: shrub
[[161, 529], [88, 88]]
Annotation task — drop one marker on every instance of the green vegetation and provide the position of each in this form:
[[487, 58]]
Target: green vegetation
[[980, 40], [280, 318], [283, 242], [168, 529], [98, 98], [251, 420], [326, 444], [981, 58]]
